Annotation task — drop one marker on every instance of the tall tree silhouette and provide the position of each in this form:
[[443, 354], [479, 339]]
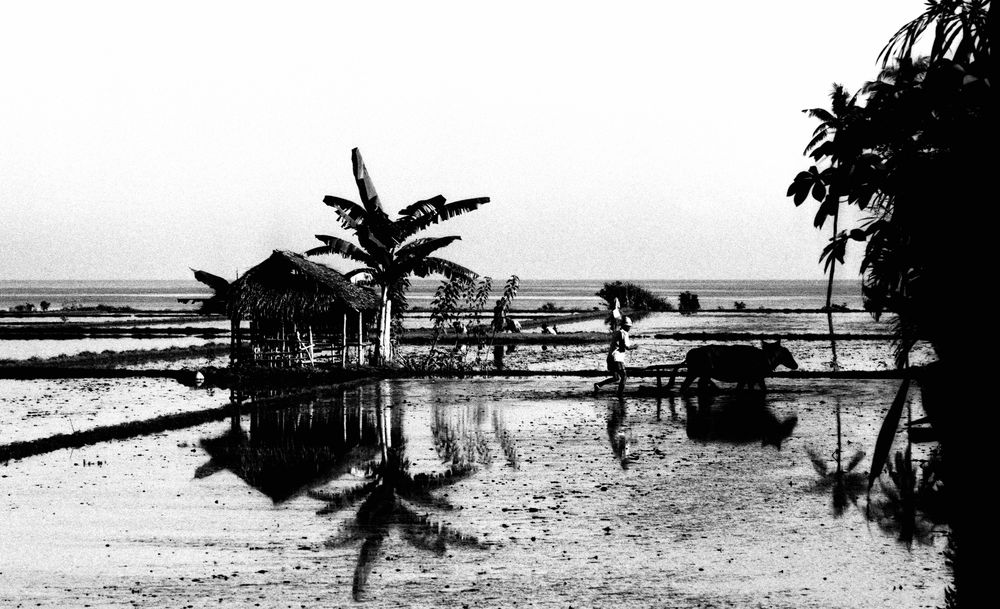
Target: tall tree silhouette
[[925, 136]]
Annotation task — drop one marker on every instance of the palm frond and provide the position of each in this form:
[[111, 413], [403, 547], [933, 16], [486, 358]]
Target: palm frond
[[412, 225], [338, 500], [369, 553], [340, 247], [418, 249], [218, 284], [949, 18], [351, 214], [369, 198], [431, 265], [423, 207], [855, 460], [818, 462]]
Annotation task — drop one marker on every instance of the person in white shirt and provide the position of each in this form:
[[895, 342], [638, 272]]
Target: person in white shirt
[[618, 356]]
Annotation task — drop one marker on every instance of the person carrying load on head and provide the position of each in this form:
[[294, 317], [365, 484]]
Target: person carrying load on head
[[618, 356]]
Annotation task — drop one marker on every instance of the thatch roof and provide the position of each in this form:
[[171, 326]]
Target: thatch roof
[[289, 286]]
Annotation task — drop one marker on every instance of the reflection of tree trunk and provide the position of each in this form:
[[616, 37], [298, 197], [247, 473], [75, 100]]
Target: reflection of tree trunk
[[829, 295], [840, 450]]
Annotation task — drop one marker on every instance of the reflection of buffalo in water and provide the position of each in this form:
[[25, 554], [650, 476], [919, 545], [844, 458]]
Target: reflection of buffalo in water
[[742, 364], [739, 418]]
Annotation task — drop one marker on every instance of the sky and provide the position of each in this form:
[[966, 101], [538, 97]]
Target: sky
[[639, 140]]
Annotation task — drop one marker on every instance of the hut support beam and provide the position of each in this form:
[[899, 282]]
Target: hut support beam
[[361, 336]]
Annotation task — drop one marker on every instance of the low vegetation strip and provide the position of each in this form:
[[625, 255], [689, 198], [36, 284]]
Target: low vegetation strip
[[643, 373], [23, 373], [577, 338], [74, 331], [113, 359]]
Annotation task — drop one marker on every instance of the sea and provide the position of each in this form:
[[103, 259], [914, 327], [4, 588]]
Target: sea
[[569, 294]]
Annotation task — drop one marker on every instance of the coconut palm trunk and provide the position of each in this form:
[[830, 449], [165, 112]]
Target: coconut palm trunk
[[384, 354]]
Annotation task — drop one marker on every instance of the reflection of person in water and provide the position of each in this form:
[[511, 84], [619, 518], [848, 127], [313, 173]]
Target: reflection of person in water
[[618, 356], [617, 436]]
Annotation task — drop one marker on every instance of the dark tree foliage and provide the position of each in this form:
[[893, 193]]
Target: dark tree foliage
[[633, 297], [914, 150], [688, 303]]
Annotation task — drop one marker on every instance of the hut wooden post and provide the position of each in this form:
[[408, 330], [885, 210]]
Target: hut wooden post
[[361, 336], [234, 341], [343, 341]]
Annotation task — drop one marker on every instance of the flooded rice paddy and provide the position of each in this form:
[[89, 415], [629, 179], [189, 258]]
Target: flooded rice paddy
[[478, 493]]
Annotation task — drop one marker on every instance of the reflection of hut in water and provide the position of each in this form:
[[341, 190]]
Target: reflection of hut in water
[[292, 449], [299, 313]]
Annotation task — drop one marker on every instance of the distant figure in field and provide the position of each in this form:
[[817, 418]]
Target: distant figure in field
[[547, 329], [618, 356]]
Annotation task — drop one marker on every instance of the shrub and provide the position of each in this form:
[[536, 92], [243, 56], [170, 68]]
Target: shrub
[[689, 303], [632, 296], [739, 305]]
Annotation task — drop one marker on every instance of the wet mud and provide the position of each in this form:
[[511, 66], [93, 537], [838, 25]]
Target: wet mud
[[479, 493]]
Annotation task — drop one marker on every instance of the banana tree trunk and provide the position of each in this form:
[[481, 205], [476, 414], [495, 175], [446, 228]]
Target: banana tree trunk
[[385, 328]]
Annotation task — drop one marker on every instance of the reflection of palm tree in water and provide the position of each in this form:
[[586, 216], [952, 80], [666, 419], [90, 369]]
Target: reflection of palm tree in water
[[844, 484], [900, 510], [393, 498], [905, 507], [457, 444], [910, 507]]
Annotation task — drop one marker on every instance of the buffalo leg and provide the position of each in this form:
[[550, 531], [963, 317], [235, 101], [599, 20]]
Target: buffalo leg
[[687, 381]]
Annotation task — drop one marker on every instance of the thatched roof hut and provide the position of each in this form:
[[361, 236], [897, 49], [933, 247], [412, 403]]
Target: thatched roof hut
[[288, 286], [297, 308]]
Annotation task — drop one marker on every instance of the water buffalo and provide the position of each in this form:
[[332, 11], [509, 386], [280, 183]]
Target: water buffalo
[[745, 365]]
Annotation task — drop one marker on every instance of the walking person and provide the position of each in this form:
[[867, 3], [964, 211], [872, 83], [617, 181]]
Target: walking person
[[618, 356]]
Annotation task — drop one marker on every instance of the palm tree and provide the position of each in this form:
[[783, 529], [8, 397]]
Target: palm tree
[[834, 142], [382, 249]]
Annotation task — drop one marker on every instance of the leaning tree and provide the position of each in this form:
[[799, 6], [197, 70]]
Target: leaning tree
[[383, 250]]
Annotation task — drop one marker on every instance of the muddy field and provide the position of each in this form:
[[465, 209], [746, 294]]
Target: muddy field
[[487, 493]]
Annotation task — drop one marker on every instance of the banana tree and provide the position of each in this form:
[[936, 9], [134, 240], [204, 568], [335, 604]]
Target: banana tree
[[382, 249]]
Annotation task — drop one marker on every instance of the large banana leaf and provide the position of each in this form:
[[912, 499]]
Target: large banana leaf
[[423, 207], [340, 247], [369, 198], [421, 248], [887, 433], [350, 213], [449, 269], [412, 225], [218, 284]]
